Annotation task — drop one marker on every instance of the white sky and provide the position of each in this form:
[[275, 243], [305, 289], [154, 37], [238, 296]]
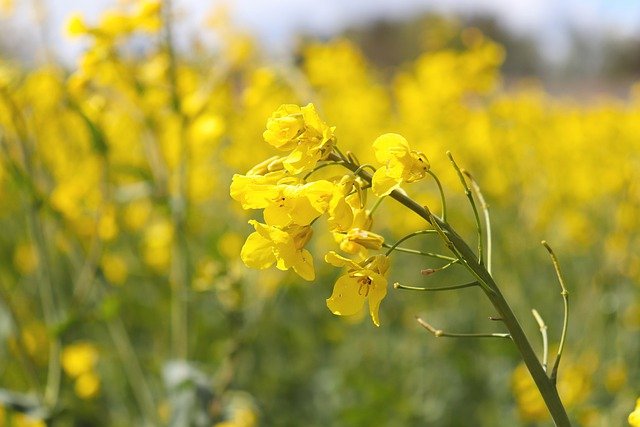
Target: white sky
[[276, 21]]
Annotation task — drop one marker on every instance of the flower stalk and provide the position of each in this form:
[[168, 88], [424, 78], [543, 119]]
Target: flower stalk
[[459, 247]]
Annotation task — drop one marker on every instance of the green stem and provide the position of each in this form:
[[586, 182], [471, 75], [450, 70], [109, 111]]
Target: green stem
[[442, 197], [408, 236], [45, 289], [416, 252], [440, 333], [376, 204], [545, 385], [543, 333], [487, 220], [441, 288], [362, 167], [44, 274], [317, 168], [565, 321], [467, 192]]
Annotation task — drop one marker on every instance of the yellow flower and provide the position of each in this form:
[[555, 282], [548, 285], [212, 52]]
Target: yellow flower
[[25, 258], [284, 126], [79, 358], [87, 385], [340, 210], [400, 163], [114, 267], [114, 24], [634, 417], [284, 247], [353, 241], [76, 25], [361, 282], [299, 129], [284, 204], [148, 16], [256, 191], [272, 164], [365, 238], [157, 244], [349, 221], [299, 204]]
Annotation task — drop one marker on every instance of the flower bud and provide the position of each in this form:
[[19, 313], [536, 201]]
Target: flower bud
[[365, 238]]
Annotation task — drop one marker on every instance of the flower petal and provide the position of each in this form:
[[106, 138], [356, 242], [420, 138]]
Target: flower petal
[[304, 265], [346, 298], [276, 215], [377, 292], [339, 261], [382, 184], [389, 146], [257, 252]]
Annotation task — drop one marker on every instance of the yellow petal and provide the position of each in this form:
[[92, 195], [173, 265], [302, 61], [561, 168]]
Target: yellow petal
[[319, 194], [301, 159], [346, 298], [257, 252], [253, 191], [382, 184], [277, 215], [311, 118], [304, 265], [284, 126], [273, 234], [377, 292], [340, 214], [339, 261], [389, 146], [309, 201]]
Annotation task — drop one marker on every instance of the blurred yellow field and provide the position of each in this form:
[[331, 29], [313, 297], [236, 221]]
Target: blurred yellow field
[[133, 187]]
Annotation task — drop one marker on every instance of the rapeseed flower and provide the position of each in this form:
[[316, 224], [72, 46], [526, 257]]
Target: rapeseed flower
[[300, 131], [400, 163], [362, 281], [270, 245]]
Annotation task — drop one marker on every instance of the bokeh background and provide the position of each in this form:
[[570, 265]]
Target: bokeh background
[[123, 297]]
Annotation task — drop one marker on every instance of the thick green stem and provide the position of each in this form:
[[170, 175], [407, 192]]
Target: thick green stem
[[546, 387]]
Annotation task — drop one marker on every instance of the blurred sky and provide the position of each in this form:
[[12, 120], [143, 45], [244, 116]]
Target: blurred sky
[[276, 21]]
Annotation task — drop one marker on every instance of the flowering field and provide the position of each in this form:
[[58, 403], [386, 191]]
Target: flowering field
[[126, 293]]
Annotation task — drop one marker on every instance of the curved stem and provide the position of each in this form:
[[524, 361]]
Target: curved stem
[[408, 236], [442, 197], [416, 252], [440, 333], [321, 166], [440, 288], [543, 333], [376, 205], [467, 192], [487, 220], [565, 321], [362, 167], [341, 157]]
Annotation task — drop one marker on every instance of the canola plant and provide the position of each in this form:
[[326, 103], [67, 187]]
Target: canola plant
[[124, 289]]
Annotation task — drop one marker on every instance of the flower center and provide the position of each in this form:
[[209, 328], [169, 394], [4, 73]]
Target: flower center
[[365, 284]]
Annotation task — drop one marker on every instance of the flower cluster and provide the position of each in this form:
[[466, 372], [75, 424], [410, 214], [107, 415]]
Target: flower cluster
[[291, 203]]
